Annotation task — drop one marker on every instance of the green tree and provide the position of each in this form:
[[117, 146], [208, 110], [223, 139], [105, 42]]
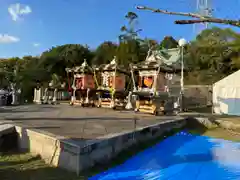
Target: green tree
[[168, 43], [23, 74], [213, 55], [58, 58], [105, 53], [131, 48], [130, 32], [212, 49]]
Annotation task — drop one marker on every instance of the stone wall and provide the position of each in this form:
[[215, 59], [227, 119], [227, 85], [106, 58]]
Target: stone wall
[[197, 96], [52, 149], [67, 154], [110, 147]]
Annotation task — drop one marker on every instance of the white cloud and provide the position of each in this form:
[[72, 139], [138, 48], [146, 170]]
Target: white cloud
[[36, 44], [6, 39], [17, 10]]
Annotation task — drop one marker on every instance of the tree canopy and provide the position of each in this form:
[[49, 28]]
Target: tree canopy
[[213, 54], [168, 43]]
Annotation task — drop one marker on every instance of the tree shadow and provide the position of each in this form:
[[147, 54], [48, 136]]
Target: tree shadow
[[11, 109], [70, 118], [195, 126], [40, 173], [12, 163], [46, 127], [206, 109], [9, 142]]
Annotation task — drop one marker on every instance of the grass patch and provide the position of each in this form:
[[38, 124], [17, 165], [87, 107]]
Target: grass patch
[[200, 109], [215, 130], [26, 167], [219, 133]]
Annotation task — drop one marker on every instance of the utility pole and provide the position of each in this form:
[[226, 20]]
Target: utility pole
[[204, 8]]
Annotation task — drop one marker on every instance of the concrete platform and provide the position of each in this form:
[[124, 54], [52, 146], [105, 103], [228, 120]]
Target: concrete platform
[[76, 122], [77, 138]]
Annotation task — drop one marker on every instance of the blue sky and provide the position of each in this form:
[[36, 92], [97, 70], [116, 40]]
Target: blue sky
[[41, 24]]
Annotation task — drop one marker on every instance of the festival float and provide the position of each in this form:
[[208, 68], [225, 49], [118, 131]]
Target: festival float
[[83, 90], [112, 92], [52, 91], [155, 89]]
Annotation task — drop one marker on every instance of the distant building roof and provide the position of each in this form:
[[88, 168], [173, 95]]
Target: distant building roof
[[168, 60]]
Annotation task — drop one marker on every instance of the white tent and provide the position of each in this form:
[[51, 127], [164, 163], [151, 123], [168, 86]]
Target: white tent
[[226, 95]]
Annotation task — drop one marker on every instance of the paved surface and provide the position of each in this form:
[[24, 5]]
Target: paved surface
[[75, 122]]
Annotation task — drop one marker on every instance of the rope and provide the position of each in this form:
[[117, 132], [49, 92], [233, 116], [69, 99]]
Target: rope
[[158, 71], [115, 73], [128, 86], [95, 77], [132, 76]]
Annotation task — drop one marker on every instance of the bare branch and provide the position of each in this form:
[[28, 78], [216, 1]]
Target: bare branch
[[171, 13], [209, 20], [200, 18]]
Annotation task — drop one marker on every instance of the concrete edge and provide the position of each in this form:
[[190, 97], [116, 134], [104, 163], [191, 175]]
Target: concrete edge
[[62, 152], [129, 135], [108, 136], [6, 128], [62, 140], [73, 148]]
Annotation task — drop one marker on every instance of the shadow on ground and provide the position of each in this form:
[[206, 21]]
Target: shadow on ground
[[102, 118], [14, 109], [14, 163], [35, 170]]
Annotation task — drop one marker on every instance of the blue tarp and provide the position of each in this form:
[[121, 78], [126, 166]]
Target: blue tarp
[[181, 157]]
